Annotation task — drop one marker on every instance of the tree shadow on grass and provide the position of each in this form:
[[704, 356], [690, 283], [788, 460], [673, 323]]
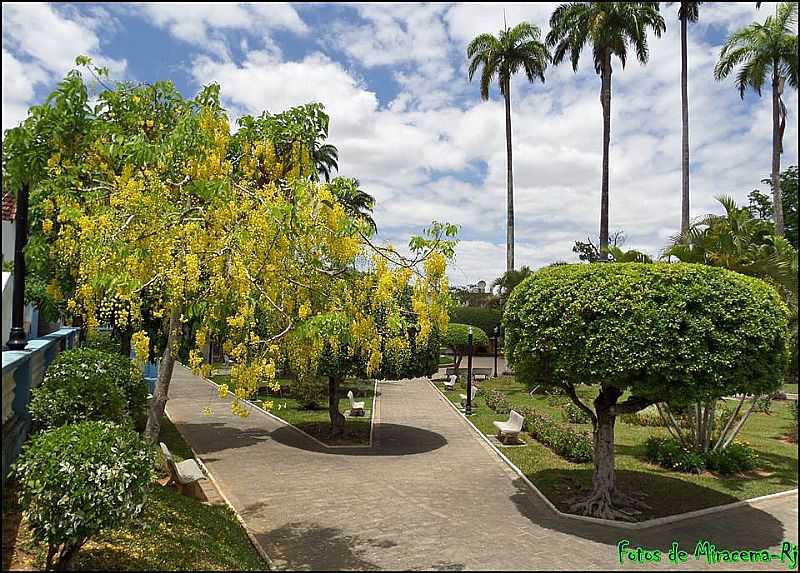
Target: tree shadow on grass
[[741, 527]]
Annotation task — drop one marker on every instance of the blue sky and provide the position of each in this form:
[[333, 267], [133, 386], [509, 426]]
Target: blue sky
[[412, 128]]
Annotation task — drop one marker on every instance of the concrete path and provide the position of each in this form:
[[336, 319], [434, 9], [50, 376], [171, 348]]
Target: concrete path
[[429, 495]]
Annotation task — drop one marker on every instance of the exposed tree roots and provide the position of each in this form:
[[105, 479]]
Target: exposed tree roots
[[613, 504]]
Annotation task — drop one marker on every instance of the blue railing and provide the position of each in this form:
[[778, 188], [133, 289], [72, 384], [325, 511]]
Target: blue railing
[[22, 371]]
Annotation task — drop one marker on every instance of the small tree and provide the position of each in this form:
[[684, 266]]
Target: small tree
[[676, 333], [78, 480], [457, 340]]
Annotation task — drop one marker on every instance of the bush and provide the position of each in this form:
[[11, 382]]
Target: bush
[[670, 454], [567, 442], [484, 318], [647, 417], [79, 479], [102, 341], [497, 402], [458, 334], [763, 405], [87, 384], [574, 415]]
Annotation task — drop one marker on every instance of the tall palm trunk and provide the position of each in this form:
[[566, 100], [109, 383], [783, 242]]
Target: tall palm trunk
[[510, 190], [685, 126], [605, 100], [777, 91]]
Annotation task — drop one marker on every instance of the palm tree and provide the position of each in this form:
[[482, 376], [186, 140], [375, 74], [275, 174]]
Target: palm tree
[[326, 159], [762, 51], [688, 12], [356, 202], [610, 28], [514, 49]]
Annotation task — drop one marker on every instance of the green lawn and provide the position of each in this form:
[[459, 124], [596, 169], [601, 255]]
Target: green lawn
[[317, 422], [790, 388], [174, 532], [667, 492]]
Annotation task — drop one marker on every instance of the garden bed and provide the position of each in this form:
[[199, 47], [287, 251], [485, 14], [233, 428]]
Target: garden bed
[[174, 532], [316, 423], [668, 492]]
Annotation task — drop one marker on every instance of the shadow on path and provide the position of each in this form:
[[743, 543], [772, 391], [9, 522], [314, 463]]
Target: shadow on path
[[390, 440]]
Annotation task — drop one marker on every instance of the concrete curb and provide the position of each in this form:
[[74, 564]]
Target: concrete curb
[[253, 540], [375, 406], [607, 522]]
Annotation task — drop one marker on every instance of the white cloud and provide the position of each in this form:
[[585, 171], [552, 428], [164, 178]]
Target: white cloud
[[40, 44]]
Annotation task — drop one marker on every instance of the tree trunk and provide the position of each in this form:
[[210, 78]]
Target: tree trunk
[[510, 189], [685, 126], [337, 419], [605, 501], [125, 342], [777, 89], [161, 395], [605, 100]]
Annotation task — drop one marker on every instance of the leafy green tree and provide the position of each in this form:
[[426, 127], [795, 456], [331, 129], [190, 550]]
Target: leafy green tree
[[761, 204], [326, 159], [688, 12], [457, 340], [610, 29], [590, 252], [509, 281], [675, 333], [500, 57], [761, 53]]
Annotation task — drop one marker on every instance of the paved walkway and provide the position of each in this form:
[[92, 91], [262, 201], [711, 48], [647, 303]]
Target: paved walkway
[[429, 495]]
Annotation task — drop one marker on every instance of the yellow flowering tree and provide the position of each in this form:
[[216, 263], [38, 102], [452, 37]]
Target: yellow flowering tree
[[147, 199]]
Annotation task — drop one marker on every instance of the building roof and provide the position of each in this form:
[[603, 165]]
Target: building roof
[[9, 207]]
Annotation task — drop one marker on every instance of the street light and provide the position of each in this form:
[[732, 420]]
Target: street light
[[16, 336], [496, 336], [468, 409]]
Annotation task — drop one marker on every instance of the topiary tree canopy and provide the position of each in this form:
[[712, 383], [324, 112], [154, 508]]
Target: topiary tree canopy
[[458, 337], [662, 332]]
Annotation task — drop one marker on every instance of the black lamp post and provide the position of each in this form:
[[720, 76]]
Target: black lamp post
[[468, 408], [496, 336], [16, 336]]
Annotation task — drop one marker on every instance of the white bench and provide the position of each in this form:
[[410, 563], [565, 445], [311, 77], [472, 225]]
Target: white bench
[[185, 473], [450, 382], [356, 408], [473, 393], [510, 428]]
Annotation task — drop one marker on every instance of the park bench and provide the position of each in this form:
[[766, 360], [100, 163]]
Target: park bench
[[356, 408], [477, 373], [450, 382], [185, 474], [473, 393], [510, 428]]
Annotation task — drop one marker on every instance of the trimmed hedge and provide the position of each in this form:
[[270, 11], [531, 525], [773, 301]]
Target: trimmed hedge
[[574, 415], [458, 335], [569, 443], [497, 402], [670, 454]]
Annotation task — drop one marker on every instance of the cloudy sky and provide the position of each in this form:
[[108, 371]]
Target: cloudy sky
[[413, 129]]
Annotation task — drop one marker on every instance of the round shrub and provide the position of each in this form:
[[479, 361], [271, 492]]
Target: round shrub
[[484, 318], [87, 384], [670, 332], [79, 479], [735, 458], [497, 402], [670, 454]]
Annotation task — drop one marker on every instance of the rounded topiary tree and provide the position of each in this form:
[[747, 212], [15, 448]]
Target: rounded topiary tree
[[674, 333], [80, 479], [81, 385], [457, 340]]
